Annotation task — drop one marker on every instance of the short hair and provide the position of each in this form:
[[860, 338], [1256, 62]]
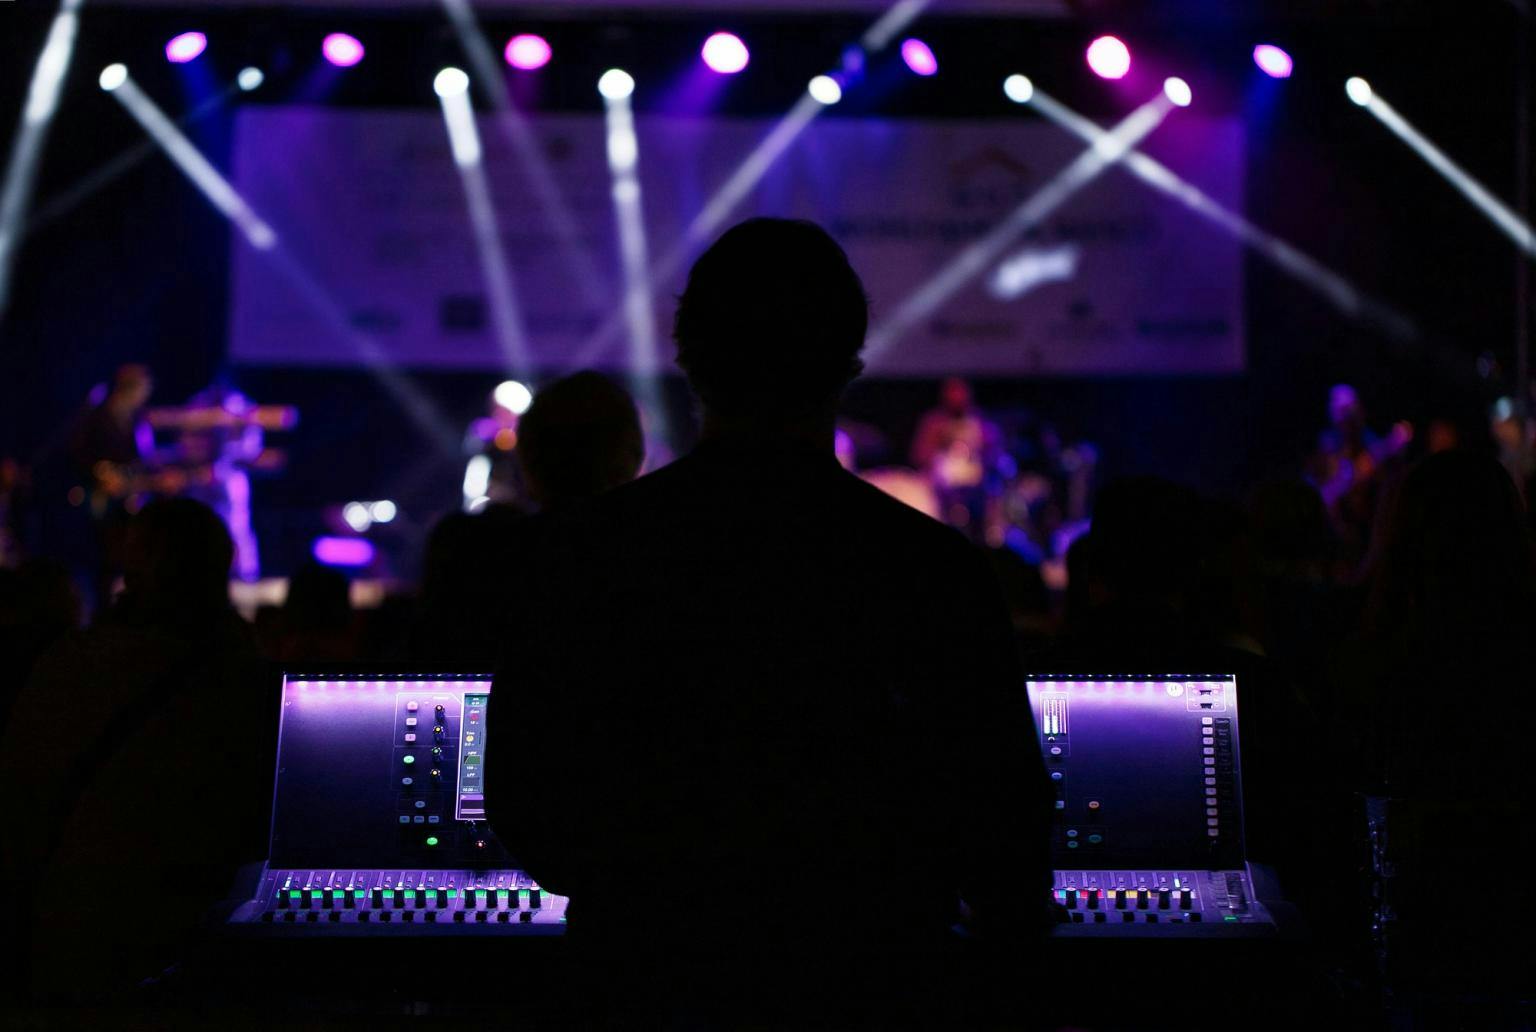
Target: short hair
[[579, 438], [773, 318]]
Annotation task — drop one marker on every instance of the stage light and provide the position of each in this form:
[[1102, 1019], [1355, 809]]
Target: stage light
[[340, 551], [452, 87], [1291, 261], [725, 53], [250, 78], [983, 254], [825, 90], [196, 167], [342, 50], [528, 52], [512, 396], [1496, 211], [1109, 58], [616, 84], [113, 76], [185, 47], [1273, 61], [1018, 88], [450, 82], [383, 511], [357, 516], [1177, 91], [919, 57], [27, 148]]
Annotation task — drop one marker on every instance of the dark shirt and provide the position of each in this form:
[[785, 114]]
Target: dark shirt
[[750, 703]]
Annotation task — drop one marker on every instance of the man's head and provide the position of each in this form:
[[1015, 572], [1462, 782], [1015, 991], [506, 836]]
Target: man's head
[[579, 438], [771, 323], [131, 386]]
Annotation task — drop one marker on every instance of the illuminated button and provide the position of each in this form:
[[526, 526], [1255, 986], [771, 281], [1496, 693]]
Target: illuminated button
[[421, 804], [405, 818], [470, 737], [1071, 833], [410, 737], [1093, 804], [410, 721], [433, 818], [408, 759], [412, 706], [431, 840]]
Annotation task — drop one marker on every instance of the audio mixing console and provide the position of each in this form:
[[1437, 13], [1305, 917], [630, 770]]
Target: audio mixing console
[[379, 818], [1146, 776]]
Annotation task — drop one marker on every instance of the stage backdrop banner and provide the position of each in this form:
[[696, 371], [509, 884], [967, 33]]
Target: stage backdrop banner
[[378, 262]]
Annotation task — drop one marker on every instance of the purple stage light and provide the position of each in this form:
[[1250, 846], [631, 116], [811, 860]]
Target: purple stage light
[[342, 50], [919, 57], [185, 47], [725, 53], [1109, 58], [343, 551], [528, 52], [1273, 61]]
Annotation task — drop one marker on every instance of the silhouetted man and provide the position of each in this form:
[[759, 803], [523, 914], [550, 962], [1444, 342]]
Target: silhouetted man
[[761, 722]]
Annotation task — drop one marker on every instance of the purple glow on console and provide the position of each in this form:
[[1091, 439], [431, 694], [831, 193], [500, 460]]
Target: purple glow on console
[[1273, 61], [919, 57], [725, 53], [528, 52], [1109, 58], [340, 551], [342, 50], [185, 47]]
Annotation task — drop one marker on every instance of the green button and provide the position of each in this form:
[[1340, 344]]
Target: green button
[[294, 894], [409, 758], [1230, 917], [431, 840], [453, 893]]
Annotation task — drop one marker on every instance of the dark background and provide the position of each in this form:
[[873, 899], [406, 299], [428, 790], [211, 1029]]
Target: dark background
[[139, 269]]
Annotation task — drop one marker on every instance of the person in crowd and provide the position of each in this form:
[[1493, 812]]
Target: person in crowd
[[776, 690], [1435, 709], [39, 604], [316, 623], [580, 437], [138, 757]]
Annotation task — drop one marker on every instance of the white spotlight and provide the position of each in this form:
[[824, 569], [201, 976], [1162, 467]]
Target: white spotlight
[[250, 78], [1018, 88], [825, 90], [616, 84], [383, 511], [357, 516], [450, 82], [1359, 90], [113, 76], [1177, 91], [512, 396]]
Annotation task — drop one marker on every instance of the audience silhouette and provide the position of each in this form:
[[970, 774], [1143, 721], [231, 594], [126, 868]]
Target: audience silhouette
[[162, 779], [782, 724]]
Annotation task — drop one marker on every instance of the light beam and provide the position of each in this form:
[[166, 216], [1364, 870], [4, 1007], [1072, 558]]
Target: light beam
[[36, 118], [1508, 223], [984, 254]]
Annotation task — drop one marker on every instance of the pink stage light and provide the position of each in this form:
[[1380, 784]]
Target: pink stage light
[[185, 47], [1109, 58], [919, 57], [342, 50], [341, 551], [1273, 61], [725, 53], [528, 52]]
